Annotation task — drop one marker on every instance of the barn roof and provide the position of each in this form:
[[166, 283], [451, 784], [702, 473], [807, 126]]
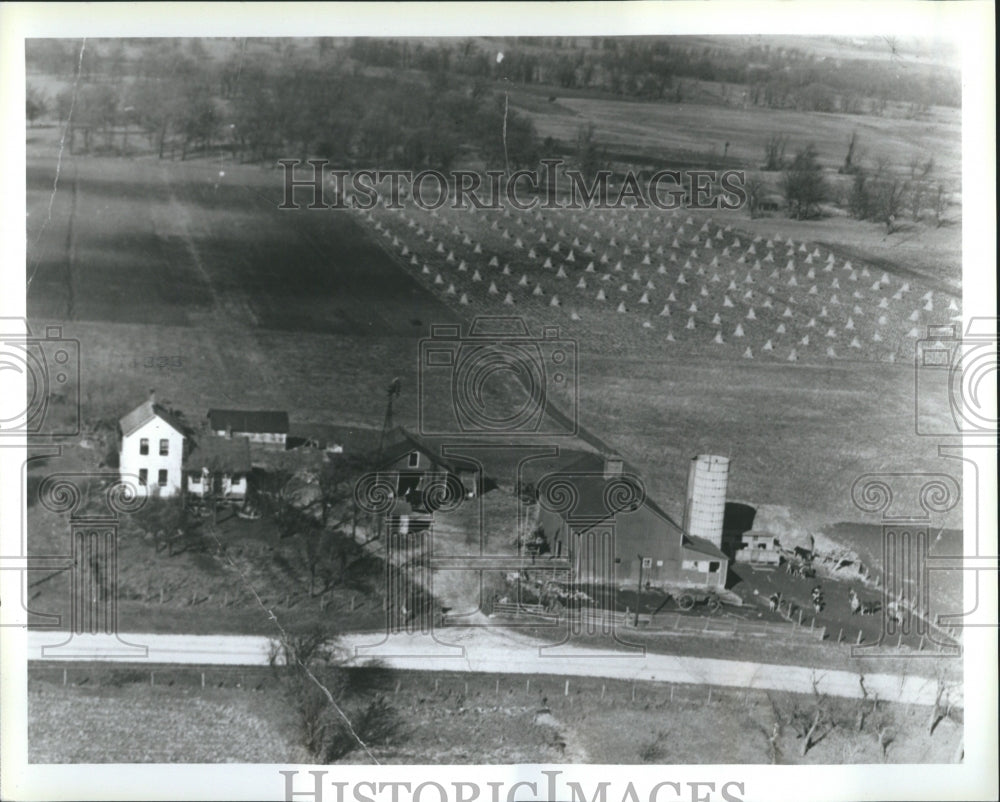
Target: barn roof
[[702, 547], [259, 421], [231, 455], [144, 413], [588, 476]]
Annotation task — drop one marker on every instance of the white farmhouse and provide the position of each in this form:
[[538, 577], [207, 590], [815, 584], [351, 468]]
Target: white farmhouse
[[152, 448]]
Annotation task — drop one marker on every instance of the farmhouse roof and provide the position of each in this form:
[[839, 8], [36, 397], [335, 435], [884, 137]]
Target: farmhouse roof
[[144, 413], [261, 421], [399, 442], [219, 454]]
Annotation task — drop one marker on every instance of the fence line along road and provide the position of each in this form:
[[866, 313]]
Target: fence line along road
[[493, 650]]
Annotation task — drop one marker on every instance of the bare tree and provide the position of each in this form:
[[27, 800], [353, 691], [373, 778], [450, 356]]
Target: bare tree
[[885, 733], [803, 183], [774, 152], [889, 197], [772, 732], [36, 104], [755, 192], [849, 166], [939, 202], [813, 725]]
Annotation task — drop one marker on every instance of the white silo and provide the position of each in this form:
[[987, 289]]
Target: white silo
[[705, 508]]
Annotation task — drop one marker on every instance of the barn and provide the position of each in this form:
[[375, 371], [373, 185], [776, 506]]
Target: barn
[[595, 514], [260, 426]]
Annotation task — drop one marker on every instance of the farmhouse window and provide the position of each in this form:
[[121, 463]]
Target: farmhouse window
[[414, 460], [143, 476], [144, 446], [164, 447], [713, 567], [162, 478], [196, 479]]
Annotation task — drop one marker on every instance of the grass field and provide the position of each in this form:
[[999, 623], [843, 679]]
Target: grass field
[[678, 131], [451, 717]]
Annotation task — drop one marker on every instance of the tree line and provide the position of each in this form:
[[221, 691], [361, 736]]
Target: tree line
[[261, 109], [878, 192]]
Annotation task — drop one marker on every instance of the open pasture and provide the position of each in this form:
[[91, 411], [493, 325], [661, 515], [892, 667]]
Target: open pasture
[[694, 333], [697, 336], [672, 131]]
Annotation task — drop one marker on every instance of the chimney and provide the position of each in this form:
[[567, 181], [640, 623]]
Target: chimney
[[613, 466]]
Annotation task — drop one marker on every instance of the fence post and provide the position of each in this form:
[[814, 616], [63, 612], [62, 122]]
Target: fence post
[[603, 688], [397, 686], [920, 648], [566, 689], [527, 686], [800, 616], [202, 679], [498, 687], [436, 681], [671, 694], [152, 682], [677, 623], [859, 636], [840, 635], [633, 691], [710, 694], [64, 676]]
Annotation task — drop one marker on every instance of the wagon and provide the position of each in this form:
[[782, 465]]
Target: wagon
[[713, 598]]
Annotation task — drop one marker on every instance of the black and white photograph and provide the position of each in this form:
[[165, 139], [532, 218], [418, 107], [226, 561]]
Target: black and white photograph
[[470, 403]]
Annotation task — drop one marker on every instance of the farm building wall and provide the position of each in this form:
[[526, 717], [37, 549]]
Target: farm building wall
[[132, 461], [642, 532], [276, 439]]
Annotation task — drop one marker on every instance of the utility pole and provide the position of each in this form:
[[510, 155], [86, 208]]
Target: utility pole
[[392, 393], [638, 595]]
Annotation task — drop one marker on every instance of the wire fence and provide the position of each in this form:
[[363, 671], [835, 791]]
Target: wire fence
[[414, 686]]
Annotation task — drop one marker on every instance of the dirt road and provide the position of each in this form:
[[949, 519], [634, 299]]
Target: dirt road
[[491, 650]]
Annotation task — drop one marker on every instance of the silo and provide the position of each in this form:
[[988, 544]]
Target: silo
[[705, 509]]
